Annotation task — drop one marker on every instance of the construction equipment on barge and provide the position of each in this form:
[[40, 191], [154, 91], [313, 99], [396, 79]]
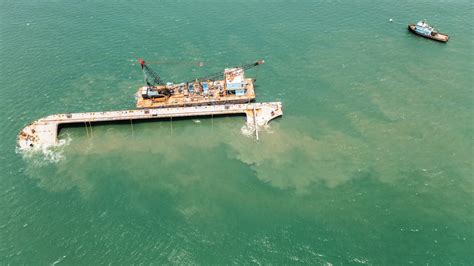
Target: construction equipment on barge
[[208, 90]]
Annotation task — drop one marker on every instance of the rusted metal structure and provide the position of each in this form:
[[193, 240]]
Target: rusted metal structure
[[232, 87]]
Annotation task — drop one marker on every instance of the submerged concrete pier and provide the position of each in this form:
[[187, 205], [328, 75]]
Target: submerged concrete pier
[[43, 132]]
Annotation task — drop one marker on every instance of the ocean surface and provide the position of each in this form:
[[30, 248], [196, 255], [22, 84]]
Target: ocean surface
[[371, 163]]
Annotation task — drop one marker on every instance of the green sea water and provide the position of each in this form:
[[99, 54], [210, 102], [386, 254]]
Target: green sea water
[[372, 162]]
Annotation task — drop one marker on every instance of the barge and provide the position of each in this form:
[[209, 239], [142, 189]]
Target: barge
[[232, 88], [43, 132]]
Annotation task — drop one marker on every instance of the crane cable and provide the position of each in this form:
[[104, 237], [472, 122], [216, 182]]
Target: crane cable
[[237, 68]]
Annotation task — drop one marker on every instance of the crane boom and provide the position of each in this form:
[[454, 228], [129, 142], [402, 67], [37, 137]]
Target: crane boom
[[151, 77], [216, 75]]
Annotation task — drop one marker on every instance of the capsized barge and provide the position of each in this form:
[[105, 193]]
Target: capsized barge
[[43, 132], [233, 87], [423, 29]]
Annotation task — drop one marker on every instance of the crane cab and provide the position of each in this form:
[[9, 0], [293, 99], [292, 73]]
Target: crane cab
[[149, 93], [235, 81]]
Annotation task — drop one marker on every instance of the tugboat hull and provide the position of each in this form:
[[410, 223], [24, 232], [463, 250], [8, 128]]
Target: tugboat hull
[[440, 37]]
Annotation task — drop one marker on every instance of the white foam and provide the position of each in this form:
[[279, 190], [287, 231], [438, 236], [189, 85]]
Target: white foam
[[46, 154], [247, 130]]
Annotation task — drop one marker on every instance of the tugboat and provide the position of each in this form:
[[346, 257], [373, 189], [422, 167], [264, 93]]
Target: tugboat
[[423, 29]]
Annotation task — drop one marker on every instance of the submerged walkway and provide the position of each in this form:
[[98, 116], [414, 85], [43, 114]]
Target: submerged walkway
[[43, 132]]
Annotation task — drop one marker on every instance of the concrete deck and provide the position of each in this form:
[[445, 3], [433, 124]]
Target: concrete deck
[[43, 132]]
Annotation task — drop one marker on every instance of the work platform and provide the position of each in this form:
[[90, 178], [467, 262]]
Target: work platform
[[43, 132]]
